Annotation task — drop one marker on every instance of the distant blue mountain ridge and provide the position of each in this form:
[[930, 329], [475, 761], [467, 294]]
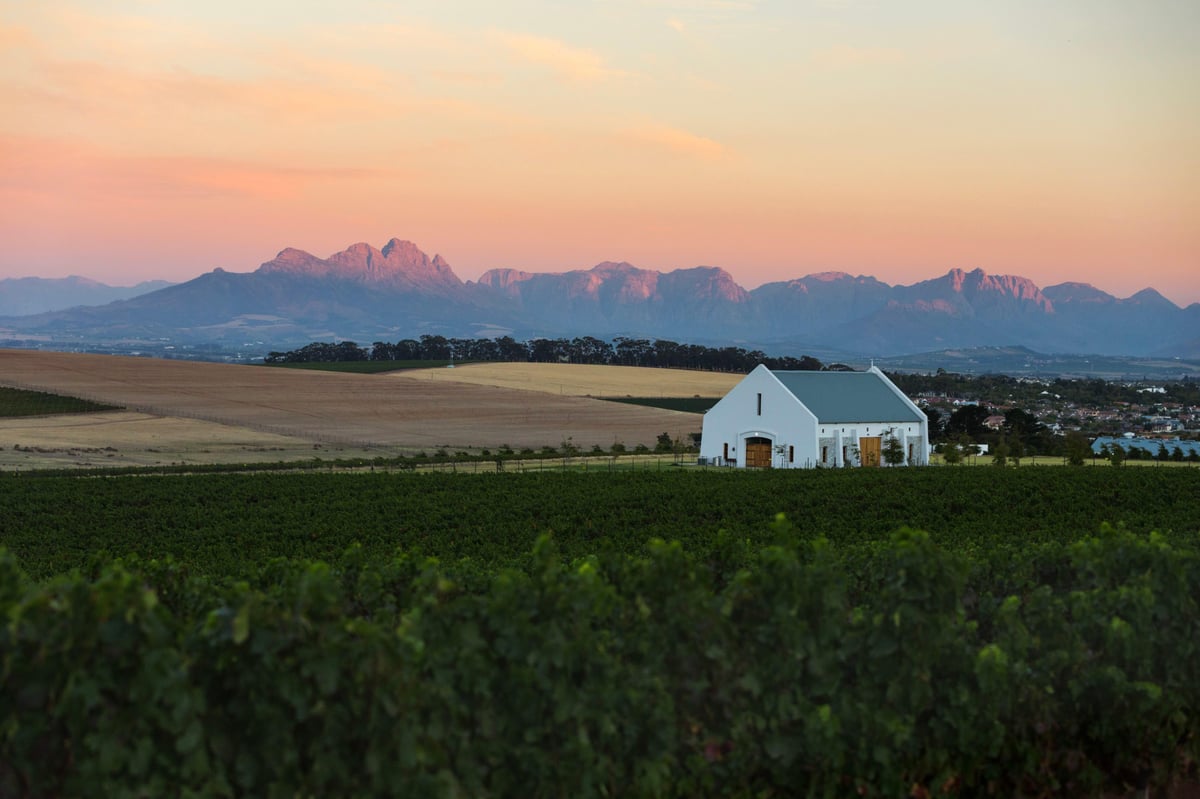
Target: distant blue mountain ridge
[[23, 296], [366, 294]]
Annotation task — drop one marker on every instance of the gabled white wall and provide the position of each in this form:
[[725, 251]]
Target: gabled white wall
[[919, 458], [849, 433], [784, 420]]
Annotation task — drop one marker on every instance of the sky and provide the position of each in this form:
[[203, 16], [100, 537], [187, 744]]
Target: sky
[[160, 139]]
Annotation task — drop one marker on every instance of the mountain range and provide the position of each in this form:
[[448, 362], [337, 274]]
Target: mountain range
[[22, 296], [367, 294]]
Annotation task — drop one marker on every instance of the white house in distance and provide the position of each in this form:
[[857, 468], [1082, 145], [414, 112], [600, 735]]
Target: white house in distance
[[800, 420]]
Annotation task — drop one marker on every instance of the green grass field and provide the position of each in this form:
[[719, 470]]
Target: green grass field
[[685, 404], [20, 402]]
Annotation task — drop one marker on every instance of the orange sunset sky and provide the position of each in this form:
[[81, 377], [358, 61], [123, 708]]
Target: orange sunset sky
[[775, 138]]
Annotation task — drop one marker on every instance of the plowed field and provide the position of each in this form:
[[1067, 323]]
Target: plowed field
[[344, 413]]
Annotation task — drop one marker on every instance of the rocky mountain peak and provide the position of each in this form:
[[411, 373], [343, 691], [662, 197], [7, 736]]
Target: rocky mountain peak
[[401, 248], [977, 287], [828, 277], [1074, 292], [1151, 297], [707, 282], [399, 263], [503, 278], [290, 259]]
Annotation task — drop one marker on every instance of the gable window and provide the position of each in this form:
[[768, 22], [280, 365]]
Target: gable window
[[760, 404]]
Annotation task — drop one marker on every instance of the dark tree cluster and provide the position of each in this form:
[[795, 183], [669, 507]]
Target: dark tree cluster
[[583, 349], [321, 352], [1116, 454], [1020, 434]]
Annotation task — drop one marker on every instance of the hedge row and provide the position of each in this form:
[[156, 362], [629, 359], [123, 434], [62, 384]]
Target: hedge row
[[622, 676]]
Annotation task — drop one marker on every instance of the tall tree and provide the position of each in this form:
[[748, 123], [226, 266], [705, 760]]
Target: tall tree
[[1116, 454], [435, 348], [893, 449], [1077, 448], [968, 420], [937, 425]]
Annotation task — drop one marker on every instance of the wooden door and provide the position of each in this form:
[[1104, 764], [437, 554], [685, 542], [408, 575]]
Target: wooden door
[[758, 453], [869, 450]]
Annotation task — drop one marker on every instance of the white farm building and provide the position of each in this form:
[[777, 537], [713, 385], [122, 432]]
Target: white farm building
[[800, 420]]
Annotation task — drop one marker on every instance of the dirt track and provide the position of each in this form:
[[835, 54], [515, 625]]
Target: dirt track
[[339, 410]]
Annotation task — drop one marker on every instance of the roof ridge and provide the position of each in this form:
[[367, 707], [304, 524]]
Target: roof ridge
[[867, 397]]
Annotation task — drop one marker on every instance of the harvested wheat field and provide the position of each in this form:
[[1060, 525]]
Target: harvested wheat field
[[126, 438], [342, 412], [581, 380]]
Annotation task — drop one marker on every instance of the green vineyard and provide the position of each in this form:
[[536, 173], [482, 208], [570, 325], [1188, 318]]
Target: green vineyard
[[623, 634]]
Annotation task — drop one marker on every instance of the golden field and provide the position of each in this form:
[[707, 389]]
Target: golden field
[[580, 380], [195, 412]]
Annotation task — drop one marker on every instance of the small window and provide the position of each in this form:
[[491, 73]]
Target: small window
[[824, 454], [760, 404]]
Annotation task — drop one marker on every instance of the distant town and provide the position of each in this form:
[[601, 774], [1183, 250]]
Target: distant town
[[1158, 420]]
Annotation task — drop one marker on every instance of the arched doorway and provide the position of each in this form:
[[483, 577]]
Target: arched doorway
[[758, 453]]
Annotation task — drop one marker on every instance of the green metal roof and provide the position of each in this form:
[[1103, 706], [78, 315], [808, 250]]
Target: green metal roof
[[837, 397]]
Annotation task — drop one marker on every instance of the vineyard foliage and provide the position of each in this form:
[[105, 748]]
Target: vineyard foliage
[[228, 524], [651, 634]]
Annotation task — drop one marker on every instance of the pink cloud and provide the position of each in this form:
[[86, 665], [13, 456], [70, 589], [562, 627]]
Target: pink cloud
[[570, 63], [95, 87], [53, 168], [678, 141]]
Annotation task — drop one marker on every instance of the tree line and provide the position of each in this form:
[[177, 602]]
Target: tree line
[[1116, 454], [621, 351]]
